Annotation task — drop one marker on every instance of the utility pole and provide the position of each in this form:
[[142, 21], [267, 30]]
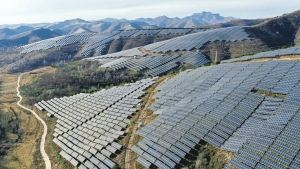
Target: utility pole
[[216, 58]]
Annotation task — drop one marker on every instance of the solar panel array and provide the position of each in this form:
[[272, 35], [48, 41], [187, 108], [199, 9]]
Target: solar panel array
[[56, 42], [197, 40], [275, 144], [270, 54], [98, 43], [150, 32], [106, 60], [195, 58], [95, 41], [153, 46], [127, 33], [155, 66], [219, 105], [89, 125], [129, 52], [175, 31], [265, 112]]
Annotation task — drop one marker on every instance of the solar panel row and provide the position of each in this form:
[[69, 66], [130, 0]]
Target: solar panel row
[[95, 42], [89, 125], [270, 54], [218, 104], [155, 65], [197, 40]]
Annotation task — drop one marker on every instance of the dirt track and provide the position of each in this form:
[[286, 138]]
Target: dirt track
[[128, 164], [42, 146]]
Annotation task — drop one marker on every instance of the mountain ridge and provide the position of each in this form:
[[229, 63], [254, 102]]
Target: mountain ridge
[[71, 26]]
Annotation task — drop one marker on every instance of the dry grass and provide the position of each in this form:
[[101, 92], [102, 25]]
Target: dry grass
[[286, 57], [23, 155], [120, 159], [32, 75], [57, 162], [268, 94], [145, 116], [50, 147], [148, 52]]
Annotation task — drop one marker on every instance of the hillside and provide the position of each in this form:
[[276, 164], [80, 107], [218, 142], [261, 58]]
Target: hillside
[[72, 29], [18, 40], [6, 32], [22, 29], [83, 45], [235, 22], [272, 33], [278, 31], [65, 23], [228, 113], [220, 96]]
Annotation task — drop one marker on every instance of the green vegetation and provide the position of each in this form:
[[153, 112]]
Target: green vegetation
[[9, 127], [76, 77], [38, 158], [268, 94], [3, 124], [58, 157], [116, 167], [211, 64], [210, 158], [180, 68], [249, 54]]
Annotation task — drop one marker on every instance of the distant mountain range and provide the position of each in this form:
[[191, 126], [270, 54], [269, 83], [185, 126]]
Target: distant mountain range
[[197, 19], [74, 26]]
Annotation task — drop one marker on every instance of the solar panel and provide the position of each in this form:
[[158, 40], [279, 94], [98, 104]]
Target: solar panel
[[242, 121], [100, 129]]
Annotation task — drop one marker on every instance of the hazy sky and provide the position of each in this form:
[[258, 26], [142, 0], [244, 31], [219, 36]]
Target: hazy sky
[[33, 11]]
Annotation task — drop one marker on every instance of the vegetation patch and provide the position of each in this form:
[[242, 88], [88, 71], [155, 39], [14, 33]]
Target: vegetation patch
[[73, 78], [211, 158], [269, 94]]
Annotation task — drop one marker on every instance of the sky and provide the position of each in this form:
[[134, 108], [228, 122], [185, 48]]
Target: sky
[[37, 11]]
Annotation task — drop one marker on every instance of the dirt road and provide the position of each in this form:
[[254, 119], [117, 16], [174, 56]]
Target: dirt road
[[143, 114], [42, 146]]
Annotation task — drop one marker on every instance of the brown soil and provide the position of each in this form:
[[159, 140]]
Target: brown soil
[[129, 163]]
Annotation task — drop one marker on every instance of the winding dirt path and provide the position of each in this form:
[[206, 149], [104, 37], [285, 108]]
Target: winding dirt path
[[143, 114], [42, 146]]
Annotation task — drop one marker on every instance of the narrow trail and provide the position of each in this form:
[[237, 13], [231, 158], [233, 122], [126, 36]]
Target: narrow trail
[[142, 115], [42, 146]]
